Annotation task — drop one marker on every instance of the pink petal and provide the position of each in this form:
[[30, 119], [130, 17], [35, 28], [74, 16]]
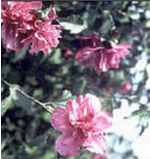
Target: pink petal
[[80, 111], [102, 121], [35, 5], [9, 38], [59, 120], [68, 145], [26, 6], [72, 109], [95, 144], [86, 56], [94, 103], [52, 14]]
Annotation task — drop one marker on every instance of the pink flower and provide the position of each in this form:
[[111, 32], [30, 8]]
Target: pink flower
[[82, 124], [126, 87], [99, 157], [17, 19], [45, 35], [100, 57], [22, 27]]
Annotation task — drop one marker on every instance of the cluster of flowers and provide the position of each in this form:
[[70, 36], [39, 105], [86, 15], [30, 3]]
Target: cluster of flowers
[[22, 26], [82, 122]]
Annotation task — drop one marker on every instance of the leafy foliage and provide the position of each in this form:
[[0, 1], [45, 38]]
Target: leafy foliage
[[26, 129]]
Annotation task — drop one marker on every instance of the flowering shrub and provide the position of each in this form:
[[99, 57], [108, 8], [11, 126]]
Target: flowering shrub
[[91, 85]]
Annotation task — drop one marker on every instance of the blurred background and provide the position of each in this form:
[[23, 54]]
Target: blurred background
[[26, 128]]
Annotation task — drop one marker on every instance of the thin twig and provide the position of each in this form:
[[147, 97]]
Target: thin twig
[[7, 83], [44, 105]]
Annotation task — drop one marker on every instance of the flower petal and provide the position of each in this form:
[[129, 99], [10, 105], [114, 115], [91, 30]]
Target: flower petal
[[95, 144], [68, 145], [102, 121], [94, 102], [59, 120]]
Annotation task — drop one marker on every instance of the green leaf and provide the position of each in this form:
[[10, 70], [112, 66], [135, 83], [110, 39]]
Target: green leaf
[[7, 103], [66, 94], [142, 113], [49, 155], [56, 57], [19, 99], [143, 116], [73, 28], [20, 55]]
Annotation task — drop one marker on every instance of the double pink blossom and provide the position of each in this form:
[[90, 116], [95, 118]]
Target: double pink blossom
[[100, 57], [17, 22], [45, 35], [82, 124], [22, 26]]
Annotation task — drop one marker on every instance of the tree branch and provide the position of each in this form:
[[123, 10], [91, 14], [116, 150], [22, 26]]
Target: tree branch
[[49, 108]]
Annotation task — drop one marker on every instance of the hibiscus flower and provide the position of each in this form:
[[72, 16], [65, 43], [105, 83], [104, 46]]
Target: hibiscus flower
[[97, 56], [82, 124]]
